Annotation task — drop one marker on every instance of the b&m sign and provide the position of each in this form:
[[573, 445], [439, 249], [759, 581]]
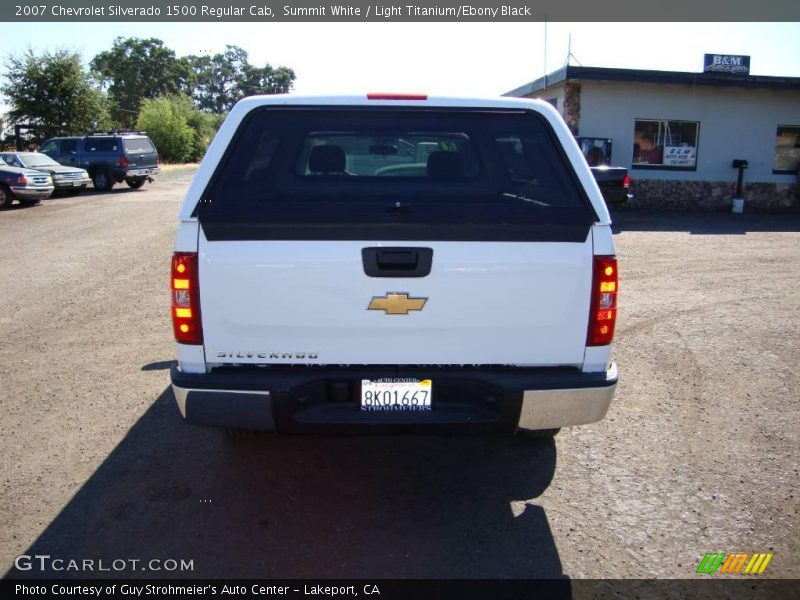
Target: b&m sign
[[726, 63]]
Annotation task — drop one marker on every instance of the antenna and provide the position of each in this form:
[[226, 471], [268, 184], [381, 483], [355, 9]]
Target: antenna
[[570, 54], [545, 50]]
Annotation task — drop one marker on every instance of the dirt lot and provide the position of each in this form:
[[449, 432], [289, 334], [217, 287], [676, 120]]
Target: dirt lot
[[699, 452]]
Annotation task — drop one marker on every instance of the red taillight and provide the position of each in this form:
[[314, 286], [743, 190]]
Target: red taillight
[[186, 299], [603, 312], [626, 183], [156, 157], [123, 161], [397, 96]]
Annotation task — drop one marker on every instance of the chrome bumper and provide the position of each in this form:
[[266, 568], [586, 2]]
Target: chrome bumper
[[303, 402], [31, 193], [143, 172], [551, 409], [72, 184]]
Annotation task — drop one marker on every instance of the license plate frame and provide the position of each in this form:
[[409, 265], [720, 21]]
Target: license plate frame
[[396, 394]]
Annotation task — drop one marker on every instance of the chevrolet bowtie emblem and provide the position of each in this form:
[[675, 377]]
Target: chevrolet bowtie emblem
[[396, 303]]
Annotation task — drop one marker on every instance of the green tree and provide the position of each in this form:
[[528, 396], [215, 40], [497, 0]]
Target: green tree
[[221, 80], [265, 80], [166, 123], [52, 92], [138, 69], [216, 78]]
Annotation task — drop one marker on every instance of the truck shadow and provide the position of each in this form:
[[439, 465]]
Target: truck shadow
[[324, 507], [701, 223]]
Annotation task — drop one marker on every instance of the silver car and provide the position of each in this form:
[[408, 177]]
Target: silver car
[[29, 186], [65, 179]]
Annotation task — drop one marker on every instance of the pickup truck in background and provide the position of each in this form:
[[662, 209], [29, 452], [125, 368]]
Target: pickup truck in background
[[109, 157], [614, 182], [393, 262]]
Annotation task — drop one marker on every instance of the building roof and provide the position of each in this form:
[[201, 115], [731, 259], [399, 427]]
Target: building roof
[[571, 72]]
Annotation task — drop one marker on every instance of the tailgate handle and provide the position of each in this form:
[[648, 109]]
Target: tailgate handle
[[397, 259], [397, 262]]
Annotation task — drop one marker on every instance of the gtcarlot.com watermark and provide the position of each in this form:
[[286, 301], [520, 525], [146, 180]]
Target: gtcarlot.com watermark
[[45, 562]]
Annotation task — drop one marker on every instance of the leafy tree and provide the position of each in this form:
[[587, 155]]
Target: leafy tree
[[165, 121], [216, 78], [52, 92], [137, 69], [221, 80], [265, 80], [180, 132], [205, 126]]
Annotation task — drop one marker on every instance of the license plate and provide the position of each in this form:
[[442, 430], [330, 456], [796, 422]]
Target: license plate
[[77, 183], [396, 394]]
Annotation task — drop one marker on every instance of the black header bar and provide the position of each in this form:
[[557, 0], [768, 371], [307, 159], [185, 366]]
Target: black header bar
[[396, 10]]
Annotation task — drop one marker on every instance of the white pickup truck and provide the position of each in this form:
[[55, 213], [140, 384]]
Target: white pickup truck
[[393, 262]]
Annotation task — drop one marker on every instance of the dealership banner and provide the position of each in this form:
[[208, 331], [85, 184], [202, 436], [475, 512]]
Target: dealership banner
[[395, 10]]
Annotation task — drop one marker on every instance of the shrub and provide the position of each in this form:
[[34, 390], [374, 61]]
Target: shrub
[[166, 123]]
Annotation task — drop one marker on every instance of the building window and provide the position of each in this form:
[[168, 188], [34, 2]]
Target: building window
[[786, 158], [659, 144]]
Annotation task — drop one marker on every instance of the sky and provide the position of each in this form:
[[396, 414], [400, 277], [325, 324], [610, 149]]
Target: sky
[[473, 59]]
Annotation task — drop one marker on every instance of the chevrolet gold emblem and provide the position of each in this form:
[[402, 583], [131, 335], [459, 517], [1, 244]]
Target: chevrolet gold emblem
[[396, 303]]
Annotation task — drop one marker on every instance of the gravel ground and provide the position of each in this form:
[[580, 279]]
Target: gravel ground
[[699, 452]]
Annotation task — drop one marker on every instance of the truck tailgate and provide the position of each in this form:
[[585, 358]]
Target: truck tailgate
[[486, 303]]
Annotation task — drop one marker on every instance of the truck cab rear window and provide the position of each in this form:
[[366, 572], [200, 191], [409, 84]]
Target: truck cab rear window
[[406, 154], [142, 144], [398, 170]]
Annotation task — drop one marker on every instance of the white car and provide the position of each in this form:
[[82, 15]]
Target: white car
[[391, 263]]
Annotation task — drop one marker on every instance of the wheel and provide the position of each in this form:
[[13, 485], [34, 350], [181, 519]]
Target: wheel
[[30, 202], [102, 181], [6, 197], [135, 183], [539, 434]]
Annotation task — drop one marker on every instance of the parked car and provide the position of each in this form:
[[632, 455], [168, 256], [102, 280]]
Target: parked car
[[614, 182], [108, 157], [393, 262], [65, 179], [26, 185]]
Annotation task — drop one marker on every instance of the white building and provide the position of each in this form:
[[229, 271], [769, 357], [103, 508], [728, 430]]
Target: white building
[[678, 132]]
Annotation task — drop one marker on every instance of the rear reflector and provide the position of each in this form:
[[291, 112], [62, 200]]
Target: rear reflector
[[397, 96], [186, 324], [603, 311]]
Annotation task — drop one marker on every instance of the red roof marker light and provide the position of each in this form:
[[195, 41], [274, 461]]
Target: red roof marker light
[[380, 96]]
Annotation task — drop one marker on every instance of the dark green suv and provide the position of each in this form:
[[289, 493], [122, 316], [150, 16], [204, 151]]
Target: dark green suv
[[109, 157]]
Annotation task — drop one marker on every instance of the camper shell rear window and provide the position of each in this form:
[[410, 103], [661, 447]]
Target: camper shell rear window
[[392, 173]]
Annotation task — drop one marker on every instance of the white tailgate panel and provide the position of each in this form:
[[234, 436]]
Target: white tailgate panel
[[488, 303]]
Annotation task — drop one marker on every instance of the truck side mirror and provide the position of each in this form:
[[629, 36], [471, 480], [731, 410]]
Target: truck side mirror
[[739, 163]]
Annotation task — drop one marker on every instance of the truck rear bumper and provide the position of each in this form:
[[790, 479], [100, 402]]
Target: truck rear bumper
[[307, 399], [141, 172]]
